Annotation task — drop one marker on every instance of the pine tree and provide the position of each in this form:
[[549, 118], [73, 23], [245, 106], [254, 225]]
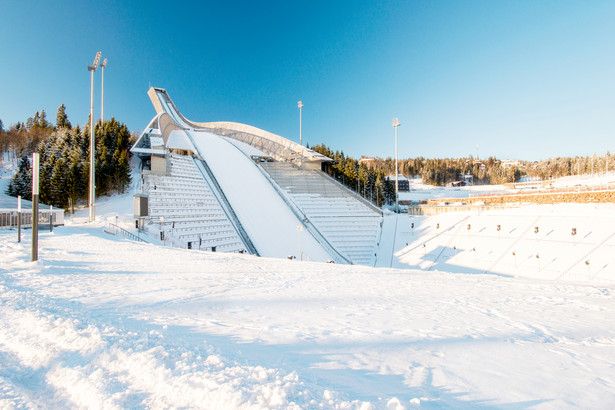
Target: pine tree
[[61, 118], [43, 123], [21, 184], [388, 188], [57, 184], [363, 177], [123, 172], [46, 171], [75, 185]]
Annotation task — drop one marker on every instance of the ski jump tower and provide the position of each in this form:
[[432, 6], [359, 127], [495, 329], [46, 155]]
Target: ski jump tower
[[231, 187]]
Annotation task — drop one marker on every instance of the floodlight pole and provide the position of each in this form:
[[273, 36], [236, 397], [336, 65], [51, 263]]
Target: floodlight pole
[[102, 91], [300, 105], [396, 124], [92, 68]]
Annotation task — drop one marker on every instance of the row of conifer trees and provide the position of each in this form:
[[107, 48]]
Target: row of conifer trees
[[65, 160]]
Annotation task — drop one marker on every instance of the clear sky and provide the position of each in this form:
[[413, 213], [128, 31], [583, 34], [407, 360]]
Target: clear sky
[[517, 79]]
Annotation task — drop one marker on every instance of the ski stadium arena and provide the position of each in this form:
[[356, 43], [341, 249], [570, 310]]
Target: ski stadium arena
[[230, 187]]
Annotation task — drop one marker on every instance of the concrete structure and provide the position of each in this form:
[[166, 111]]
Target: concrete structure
[[236, 188]]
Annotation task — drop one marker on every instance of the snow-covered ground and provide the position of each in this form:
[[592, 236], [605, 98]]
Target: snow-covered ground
[[103, 322], [530, 241], [589, 180], [419, 191]]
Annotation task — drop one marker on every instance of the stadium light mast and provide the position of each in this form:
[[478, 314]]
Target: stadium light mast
[[102, 91], [91, 69], [300, 105], [396, 124]]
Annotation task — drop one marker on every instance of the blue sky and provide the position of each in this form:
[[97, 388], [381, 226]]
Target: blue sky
[[519, 79]]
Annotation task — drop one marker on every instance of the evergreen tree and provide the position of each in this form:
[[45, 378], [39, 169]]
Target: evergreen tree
[[363, 177], [46, 171], [58, 194], [75, 184], [21, 184], [64, 156], [61, 118], [42, 122], [123, 172], [350, 169], [388, 188]]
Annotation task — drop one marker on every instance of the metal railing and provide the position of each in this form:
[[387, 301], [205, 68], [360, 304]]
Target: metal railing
[[119, 231]]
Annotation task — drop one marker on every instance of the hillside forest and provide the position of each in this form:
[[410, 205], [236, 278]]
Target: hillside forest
[[65, 158]]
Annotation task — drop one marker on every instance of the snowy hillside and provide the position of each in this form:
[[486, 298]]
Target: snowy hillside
[[104, 322]]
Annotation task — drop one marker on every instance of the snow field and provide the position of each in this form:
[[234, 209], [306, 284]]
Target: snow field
[[133, 325], [105, 323], [119, 363], [444, 242]]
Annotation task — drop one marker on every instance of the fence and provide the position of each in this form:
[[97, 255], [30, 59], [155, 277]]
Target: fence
[[8, 218]]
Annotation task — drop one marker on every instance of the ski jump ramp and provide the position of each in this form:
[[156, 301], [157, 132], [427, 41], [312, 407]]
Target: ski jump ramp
[[268, 217]]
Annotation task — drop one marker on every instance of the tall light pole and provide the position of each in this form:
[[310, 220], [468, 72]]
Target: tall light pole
[[300, 105], [91, 69], [102, 91], [396, 124]]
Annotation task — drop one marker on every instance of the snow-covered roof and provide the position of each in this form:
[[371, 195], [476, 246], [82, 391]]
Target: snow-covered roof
[[156, 141], [179, 140], [147, 151]]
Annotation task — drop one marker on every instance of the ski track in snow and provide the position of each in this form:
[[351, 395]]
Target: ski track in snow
[[157, 328]]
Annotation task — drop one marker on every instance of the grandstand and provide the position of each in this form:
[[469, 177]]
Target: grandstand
[[187, 211], [232, 187], [352, 226]]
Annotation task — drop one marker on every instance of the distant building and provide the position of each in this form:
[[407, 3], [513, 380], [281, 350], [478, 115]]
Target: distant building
[[467, 178], [464, 179], [509, 163], [478, 162], [369, 162], [403, 184]]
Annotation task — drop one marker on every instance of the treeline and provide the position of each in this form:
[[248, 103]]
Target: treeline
[[25, 137], [565, 166], [441, 172], [65, 159], [371, 183]]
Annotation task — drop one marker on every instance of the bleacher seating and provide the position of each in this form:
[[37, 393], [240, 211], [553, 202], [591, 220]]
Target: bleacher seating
[[350, 225], [184, 207]]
